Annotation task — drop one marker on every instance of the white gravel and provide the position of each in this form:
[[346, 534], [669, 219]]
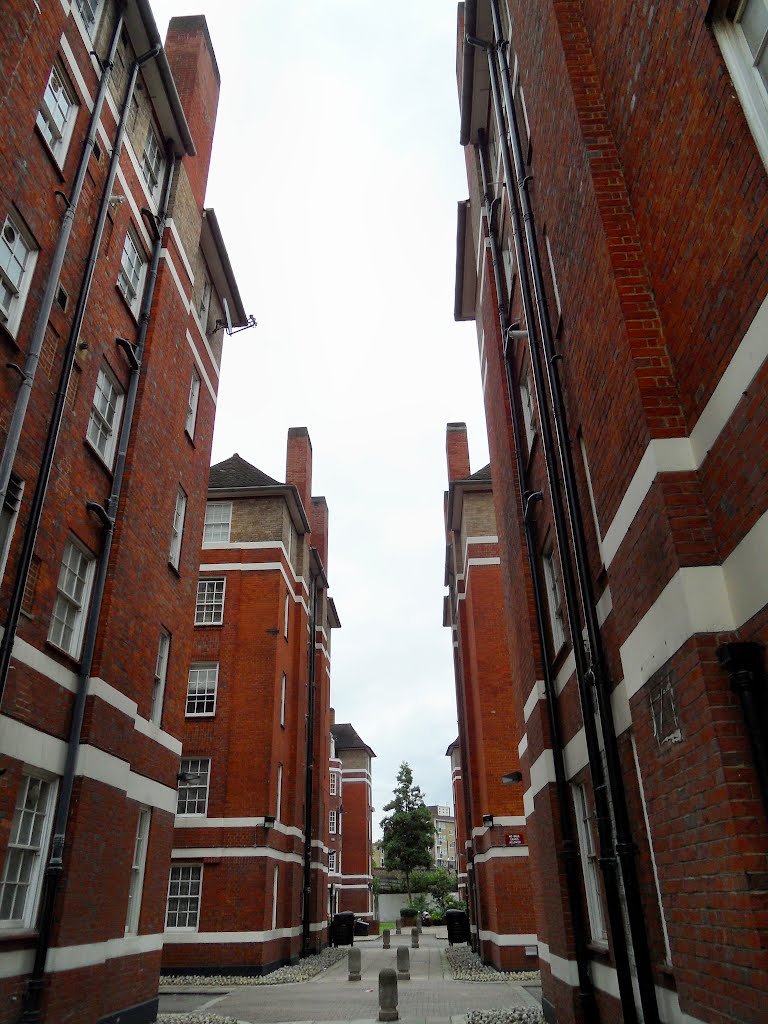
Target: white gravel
[[305, 969], [467, 966], [194, 1018], [519, 1015]]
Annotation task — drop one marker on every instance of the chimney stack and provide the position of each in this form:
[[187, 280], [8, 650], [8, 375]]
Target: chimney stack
[[457, 451], [298, 467]]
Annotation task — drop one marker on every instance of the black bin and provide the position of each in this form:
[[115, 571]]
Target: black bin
[[361, 926], [343, 929], [457, 923]]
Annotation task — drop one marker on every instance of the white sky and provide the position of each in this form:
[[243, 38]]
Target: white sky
[[335, 176]]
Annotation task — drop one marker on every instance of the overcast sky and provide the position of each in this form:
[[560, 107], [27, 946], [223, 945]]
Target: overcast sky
[[335, 176]]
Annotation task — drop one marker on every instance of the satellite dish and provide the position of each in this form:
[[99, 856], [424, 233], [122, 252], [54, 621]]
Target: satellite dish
[[227, 316]]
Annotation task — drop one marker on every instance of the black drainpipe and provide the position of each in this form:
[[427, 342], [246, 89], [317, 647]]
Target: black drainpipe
[[569, 850], [745, 664], [107, 515], [46, 463], [310, 772], [605, 833], [57, 261]]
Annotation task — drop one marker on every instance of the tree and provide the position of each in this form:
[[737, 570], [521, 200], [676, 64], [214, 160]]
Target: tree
[[408, 830], [440, 885]]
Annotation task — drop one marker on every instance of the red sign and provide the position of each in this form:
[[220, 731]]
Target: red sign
[[514, 839]]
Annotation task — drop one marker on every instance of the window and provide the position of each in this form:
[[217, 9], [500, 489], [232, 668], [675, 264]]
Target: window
[[8, 514], [334, 783], [209, 610], [741, 30], [17, 260], [177, 528], [28, 842], [89, 12], [526, 399], [131, 273], [218, 522], [205, 303], [152, 162], [279, 792], [554, 601], [201, 689], [332, 862], [104, 420], [332, 823], [194, 397], [283, 683], [161, 671], [275, 878], [73, 591], [57, 113], [184, 890], [136, 882], [589, 864], [285, 616], [193, 785]]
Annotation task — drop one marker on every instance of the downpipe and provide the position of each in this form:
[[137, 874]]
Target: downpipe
[[607, 853], [107, 515], [625, 846], [569, 852], [40, 493]]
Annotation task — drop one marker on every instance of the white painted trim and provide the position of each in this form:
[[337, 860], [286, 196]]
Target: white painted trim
[[501, 853], [575, 753], [185, 821], [201, 368], [542, 771], [509, 939], [641, 788], [174, 231], [255, 567], [503, 821], [198, 853], [537, 693], [352, 886], [72, 958], [566, 671], [16, 962], [528, 804], [522, 746], [193, 938], [360, 771]]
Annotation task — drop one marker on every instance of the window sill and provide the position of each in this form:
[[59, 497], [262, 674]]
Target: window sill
[[72, 659], [600, 949], [189, 438], [18, 934], [98, 457], [174, 569]]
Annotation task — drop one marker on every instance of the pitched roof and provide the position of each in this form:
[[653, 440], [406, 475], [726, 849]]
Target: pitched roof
[[346, 738], [236, 472], [482, 474]]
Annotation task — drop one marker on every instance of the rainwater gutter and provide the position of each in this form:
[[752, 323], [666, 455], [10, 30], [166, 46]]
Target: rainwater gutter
[[607, 852], [107, 515], [569, 851]]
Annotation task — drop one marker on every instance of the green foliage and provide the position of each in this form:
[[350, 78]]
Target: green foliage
[[408, 830], [439, 884]]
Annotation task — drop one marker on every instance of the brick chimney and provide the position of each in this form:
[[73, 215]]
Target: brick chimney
[[298, 467], [190, 55], [457, 451], [318, 520]]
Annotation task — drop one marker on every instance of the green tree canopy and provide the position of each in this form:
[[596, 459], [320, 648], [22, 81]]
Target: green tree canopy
[[408, 830]]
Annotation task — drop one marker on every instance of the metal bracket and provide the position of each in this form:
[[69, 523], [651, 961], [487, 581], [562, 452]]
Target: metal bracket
[[130, 350]]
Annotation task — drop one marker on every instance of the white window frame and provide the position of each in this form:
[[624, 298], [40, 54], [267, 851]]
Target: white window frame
[[332, 819], [67, 598], [285, 617], [210, 606], [177, 527], [207, 672], [136, 881], [161, 674], [554, 600], [218, 523], [526, 401], [197, 897], [103, 429], [192, 403], [201, 768], [740, 62], [133, 267], [204, 306], [38, 850], [334, 784], [589, 866], [279, 807], [331, 862], [283, 687], [152, 163], [9, 513], [17, 263], [54, 122], [90, 14]]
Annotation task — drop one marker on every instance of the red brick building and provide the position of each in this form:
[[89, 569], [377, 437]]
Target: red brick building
[[460, 818], [613, 255], [354, 822], [114, 286], [495, 864], [241, 862]]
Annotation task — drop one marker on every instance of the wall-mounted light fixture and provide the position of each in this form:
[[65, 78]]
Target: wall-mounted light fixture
[[488, 820], [511, 778], [269, 821]]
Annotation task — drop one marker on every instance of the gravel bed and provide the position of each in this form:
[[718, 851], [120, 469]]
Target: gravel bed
[[467, 966], [305, 969], [194, 1018], [519, 1015]]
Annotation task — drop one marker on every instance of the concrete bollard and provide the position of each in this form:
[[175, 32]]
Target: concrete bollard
[[388, 994], [386, 938], [353, 960], [398, 927], [414, 938], [403, 963]]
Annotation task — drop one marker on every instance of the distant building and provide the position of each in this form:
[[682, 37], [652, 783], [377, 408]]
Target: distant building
[[354, 822], [444, 846], [249, 869]]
